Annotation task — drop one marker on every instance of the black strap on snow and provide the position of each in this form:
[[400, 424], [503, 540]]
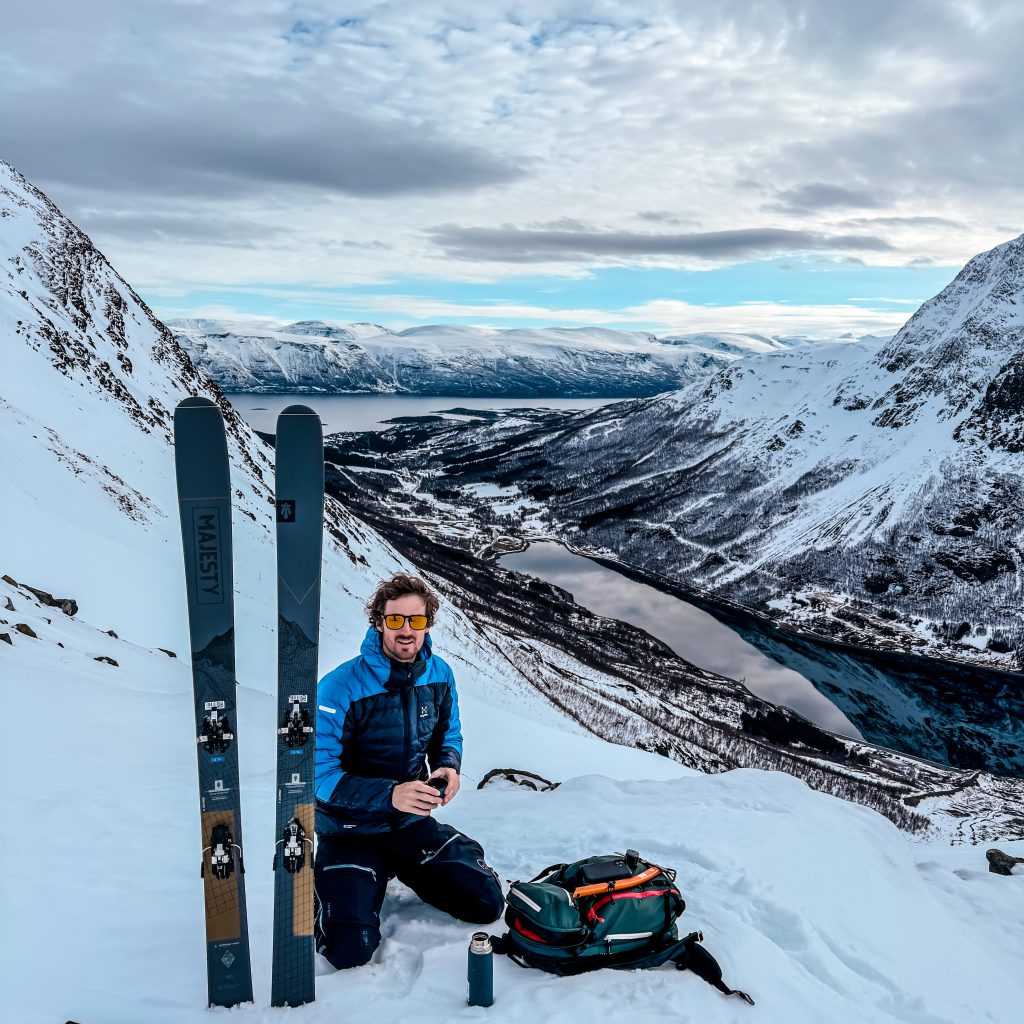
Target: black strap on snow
[[694, 957], [687, 954]]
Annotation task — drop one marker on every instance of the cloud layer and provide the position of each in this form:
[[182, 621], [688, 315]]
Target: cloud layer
[[316, 143], [511, 245]]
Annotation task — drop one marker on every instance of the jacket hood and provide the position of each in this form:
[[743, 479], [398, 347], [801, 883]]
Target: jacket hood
[[377, 661]]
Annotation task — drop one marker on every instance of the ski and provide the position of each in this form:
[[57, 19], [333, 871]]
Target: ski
[[299, 483], [204, 503]]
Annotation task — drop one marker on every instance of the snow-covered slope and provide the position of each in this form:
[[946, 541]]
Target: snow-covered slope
[[448, 359], [891, 474], [823, 911], [730, 344], [102, 901]]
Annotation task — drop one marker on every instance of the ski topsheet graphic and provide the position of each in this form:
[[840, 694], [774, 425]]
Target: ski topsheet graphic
[[204, 502], [300, 512]]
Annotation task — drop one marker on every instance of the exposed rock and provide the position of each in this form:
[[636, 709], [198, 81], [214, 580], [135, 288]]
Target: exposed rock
[[520, 778], [9, 605], [1000, 863], [106, 660], [6, 637], [170, 654], [27, 630], [66, 604]]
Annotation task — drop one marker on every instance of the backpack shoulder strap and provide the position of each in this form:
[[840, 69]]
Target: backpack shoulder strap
[[548, 871], [689, 955], [501, 945]]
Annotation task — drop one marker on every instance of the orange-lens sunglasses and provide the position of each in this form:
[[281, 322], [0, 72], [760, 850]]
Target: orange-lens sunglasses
[[397, 621]]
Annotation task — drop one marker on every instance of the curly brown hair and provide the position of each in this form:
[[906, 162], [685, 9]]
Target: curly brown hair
[[399, 585]]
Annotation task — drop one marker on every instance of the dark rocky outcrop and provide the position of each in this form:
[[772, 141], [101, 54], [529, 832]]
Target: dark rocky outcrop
[[66, 604], [1000, 863]]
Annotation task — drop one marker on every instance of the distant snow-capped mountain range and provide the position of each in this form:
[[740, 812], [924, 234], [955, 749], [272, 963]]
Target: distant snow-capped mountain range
[[447, 359]]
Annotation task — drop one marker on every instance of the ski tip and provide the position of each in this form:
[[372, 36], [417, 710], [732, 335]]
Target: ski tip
[[297, 410], [196, 403]]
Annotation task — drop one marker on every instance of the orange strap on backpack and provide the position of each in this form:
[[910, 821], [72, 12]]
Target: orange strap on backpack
[[622, 883]]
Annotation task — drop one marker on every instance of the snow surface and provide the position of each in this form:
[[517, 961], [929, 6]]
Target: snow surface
[[822, 910]]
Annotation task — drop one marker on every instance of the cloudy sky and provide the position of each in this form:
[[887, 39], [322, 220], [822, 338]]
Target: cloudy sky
[[782, 166]]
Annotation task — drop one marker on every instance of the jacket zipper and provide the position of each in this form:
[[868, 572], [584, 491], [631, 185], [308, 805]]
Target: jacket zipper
[[408, 706]]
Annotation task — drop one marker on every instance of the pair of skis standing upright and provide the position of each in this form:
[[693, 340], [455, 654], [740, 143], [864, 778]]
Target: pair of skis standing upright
[[204, 501]]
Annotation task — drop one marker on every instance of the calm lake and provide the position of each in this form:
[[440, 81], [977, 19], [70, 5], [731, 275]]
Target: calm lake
[[692, 633]]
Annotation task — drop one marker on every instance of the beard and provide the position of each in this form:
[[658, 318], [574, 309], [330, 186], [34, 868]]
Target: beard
[[400, 652]]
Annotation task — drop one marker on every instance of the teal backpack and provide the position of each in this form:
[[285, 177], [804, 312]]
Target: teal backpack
[[615, 911]]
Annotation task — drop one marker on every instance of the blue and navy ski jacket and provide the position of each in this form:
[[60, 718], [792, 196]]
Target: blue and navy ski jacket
[[379, 723]]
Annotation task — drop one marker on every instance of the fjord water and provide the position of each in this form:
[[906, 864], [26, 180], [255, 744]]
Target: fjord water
[[370, 412], [692, 633]]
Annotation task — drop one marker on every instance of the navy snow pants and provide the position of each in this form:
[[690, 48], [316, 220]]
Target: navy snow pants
[[441, 865]]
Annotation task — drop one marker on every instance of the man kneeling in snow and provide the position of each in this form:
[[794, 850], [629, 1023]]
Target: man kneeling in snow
[[383, 717]]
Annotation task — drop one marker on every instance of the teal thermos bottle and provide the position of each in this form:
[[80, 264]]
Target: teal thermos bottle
[[480, 971]]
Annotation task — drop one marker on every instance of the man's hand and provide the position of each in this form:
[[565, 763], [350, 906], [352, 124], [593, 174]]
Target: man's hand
[[416, 798], [451, 783]]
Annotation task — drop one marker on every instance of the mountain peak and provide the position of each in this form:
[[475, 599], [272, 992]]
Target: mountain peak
[[961, 355], [333, 331]]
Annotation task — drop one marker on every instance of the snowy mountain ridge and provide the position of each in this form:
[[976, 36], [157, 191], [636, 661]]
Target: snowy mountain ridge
[[88, 412], [873, 491], [452, 359], [865, 494], [914, 448]]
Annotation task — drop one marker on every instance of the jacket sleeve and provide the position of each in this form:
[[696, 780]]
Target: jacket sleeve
[[351, 796], [446, 741]]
